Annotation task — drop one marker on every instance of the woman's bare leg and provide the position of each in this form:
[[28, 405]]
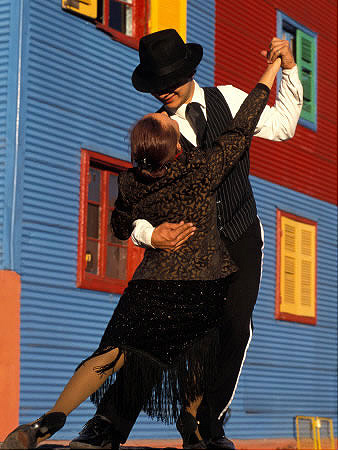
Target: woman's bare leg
[[84, 382]]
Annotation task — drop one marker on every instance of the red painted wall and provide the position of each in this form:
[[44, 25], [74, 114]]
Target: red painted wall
[[308, 162]]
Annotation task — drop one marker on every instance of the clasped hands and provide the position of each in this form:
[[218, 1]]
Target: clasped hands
[[279, 48]]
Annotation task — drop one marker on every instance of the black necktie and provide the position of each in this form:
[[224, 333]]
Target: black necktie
[[197, 121]]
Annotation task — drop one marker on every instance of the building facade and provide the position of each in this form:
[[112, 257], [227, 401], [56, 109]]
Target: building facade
[[67, 105]]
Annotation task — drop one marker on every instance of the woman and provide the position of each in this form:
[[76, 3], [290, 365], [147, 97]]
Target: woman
[[165, 327]]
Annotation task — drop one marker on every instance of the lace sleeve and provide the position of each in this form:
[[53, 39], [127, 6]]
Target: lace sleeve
[[236, 139], [122, 219]]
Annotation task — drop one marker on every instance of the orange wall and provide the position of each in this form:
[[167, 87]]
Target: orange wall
[[9, 351]]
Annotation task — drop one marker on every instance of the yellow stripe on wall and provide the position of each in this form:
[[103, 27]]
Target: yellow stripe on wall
[[168, 14]]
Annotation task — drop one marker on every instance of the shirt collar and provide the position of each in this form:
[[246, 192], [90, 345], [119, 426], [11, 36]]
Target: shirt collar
[[198, 96]]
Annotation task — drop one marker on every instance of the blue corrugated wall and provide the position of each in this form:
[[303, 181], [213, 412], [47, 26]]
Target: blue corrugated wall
[[76, 81], [5, 14], [10, 42]]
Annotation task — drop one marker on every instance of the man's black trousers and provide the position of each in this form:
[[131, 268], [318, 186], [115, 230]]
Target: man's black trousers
[[242, 293]]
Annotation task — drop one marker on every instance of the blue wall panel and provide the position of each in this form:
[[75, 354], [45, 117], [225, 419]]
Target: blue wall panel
[[10, 43], [291, 368], [5, 15]]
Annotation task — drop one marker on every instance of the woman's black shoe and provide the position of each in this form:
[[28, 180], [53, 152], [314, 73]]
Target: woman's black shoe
[[26, 436], [187, 426]]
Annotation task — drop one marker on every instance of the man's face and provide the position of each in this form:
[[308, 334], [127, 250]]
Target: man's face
[[176, 96]]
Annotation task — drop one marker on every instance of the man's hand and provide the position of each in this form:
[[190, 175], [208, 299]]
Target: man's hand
[[170, 237], [279, 48]]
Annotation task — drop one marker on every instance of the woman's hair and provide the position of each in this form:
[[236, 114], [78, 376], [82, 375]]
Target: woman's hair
[[151, 143]]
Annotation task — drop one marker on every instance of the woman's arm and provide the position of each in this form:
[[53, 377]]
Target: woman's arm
[[122, 219]]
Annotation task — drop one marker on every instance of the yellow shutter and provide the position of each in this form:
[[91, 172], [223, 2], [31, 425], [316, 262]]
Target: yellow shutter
[[288, 275], [298, 268], [307, 270], [88, 8], [168, 14]]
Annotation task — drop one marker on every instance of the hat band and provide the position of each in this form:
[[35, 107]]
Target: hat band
[[163, 71]]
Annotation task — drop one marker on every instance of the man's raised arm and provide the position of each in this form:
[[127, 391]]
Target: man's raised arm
[[279, 122]]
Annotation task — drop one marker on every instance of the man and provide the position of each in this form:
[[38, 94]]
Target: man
[[166, 70]]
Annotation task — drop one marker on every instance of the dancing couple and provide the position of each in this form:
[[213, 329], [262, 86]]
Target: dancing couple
[[165, 343]]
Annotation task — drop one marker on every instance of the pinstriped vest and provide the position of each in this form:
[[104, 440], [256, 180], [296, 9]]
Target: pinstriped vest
[[236, 206]]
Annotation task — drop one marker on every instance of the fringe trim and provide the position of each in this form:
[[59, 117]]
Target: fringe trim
[[163, 390]]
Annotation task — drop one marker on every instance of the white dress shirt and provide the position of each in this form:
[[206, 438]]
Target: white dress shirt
[[277, 123]]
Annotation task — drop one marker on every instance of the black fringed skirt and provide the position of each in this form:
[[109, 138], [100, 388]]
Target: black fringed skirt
[[168, 332]]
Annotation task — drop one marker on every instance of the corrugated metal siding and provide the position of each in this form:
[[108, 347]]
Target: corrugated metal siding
[[5, 15], [200, 29], [308, 163], [291, 368], [77, 78]]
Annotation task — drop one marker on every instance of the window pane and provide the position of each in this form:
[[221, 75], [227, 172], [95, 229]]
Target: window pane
[[94, 185], [120, 16], [92, 257], [116, 262], [93, 221], [113, 189]]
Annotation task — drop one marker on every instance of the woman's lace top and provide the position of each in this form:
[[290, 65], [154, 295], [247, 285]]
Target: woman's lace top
[[187, 193]]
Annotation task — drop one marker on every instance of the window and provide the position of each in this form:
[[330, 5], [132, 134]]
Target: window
[[304, 45], [104, 262], [124, 20], [296, 268], [128, 20]]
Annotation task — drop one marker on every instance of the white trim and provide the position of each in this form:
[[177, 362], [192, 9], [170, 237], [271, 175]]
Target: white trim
[[250, 338], [17, 128], [236, 384]]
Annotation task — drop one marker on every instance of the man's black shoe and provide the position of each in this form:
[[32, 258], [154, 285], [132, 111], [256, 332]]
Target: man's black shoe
[[220, 443], [98, 433]]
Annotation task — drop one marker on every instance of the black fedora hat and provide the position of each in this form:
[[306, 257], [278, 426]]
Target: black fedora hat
[[165, 60]]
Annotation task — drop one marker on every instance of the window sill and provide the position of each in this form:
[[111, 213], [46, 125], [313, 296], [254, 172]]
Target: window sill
[[296, 318], [132, 42], [99, 284]]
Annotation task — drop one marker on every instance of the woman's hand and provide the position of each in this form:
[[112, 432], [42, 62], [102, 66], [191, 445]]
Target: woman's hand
[[270, 73]]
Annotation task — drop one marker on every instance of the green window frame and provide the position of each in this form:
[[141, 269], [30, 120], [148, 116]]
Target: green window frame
[[304, 45]]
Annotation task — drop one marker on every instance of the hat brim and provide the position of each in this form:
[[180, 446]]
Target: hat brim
[[144, 80]]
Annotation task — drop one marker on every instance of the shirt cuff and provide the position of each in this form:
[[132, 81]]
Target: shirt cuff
[[292, 71], [142, 233]]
